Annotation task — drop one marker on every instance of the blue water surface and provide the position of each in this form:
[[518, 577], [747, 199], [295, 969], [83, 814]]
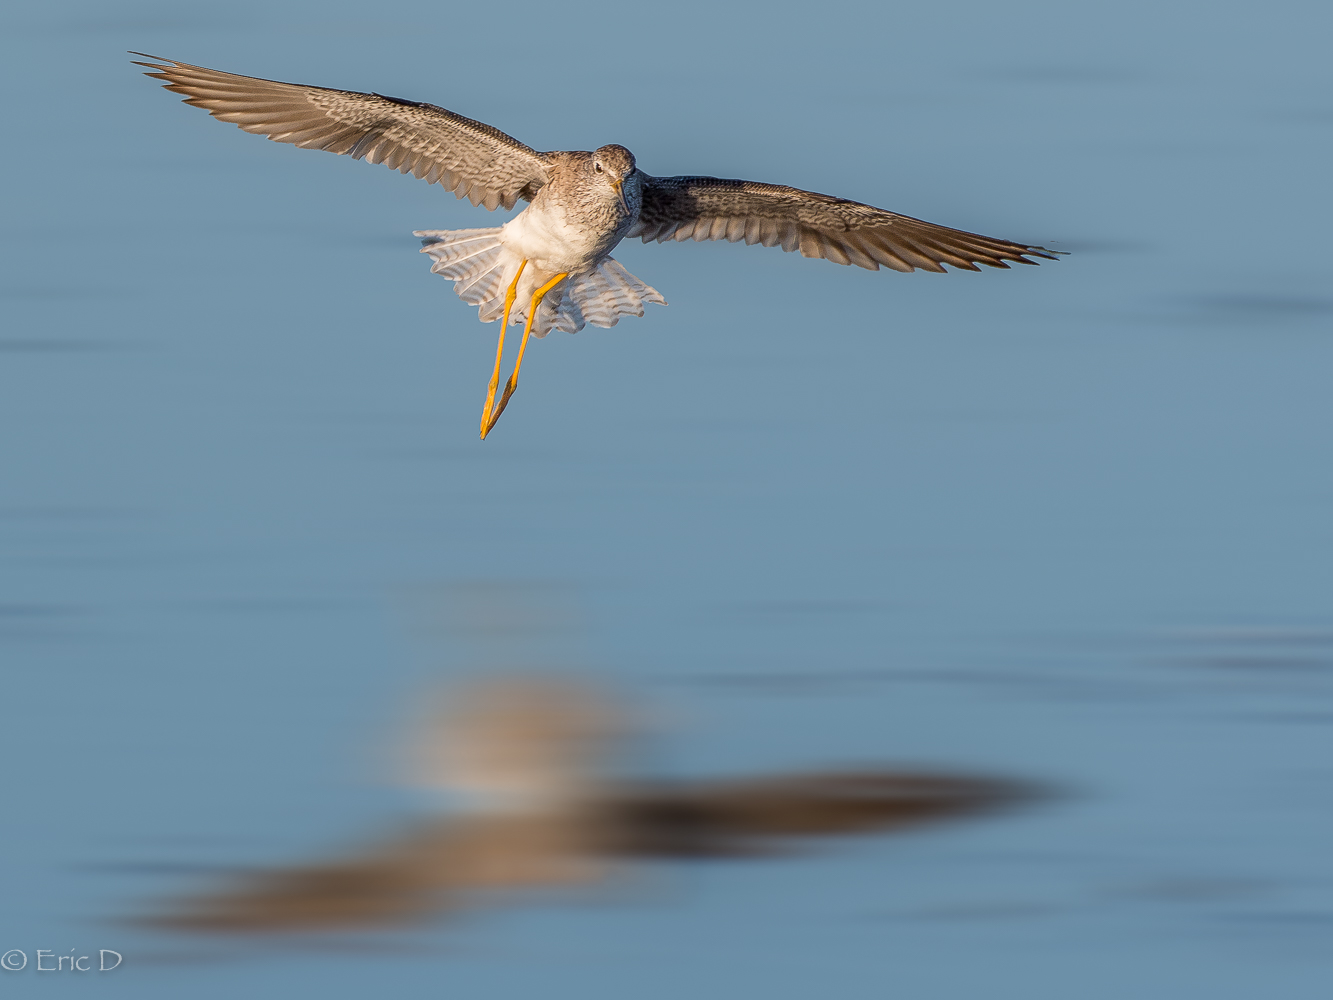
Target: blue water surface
[[1068, 523]]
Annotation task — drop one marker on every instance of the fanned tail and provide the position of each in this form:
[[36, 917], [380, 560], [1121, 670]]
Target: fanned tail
[[481, 269], [475, 261], [600, 297]]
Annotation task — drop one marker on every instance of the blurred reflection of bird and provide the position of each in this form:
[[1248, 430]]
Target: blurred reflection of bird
[[532, 762], [550, 266]]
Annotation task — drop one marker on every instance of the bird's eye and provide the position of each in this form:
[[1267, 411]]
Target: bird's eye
[[597, 167]]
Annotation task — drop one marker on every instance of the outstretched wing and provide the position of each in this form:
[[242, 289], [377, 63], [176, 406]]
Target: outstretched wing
[[846, 232], [757, 815], [473, 160]]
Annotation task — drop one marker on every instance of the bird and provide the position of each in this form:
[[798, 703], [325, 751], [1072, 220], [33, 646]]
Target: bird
[[531, 762], [550, 267]]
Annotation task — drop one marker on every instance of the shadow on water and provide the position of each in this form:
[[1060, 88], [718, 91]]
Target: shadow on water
[[536, 768]]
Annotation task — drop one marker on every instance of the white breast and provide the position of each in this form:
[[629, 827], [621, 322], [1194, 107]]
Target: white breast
[[545, 237]]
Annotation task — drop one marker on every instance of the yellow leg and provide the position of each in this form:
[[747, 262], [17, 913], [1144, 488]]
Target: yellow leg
[[510, 295], [512, 384]]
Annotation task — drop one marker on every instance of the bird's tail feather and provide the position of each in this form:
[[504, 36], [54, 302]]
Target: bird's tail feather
[[473, 259], [482, 269], [601, 296]]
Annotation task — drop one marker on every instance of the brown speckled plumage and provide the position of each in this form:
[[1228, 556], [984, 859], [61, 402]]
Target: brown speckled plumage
[[819, 225], [550, 267], [472, 159], [491, 168]]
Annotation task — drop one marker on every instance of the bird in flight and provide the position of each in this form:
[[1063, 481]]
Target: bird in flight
[[550, 266]]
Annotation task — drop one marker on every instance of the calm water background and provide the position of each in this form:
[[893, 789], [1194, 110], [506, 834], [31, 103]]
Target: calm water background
[[1069, 523]]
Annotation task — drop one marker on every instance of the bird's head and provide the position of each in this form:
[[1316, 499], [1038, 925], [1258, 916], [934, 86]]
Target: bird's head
[[614, 165], [523, 744]]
